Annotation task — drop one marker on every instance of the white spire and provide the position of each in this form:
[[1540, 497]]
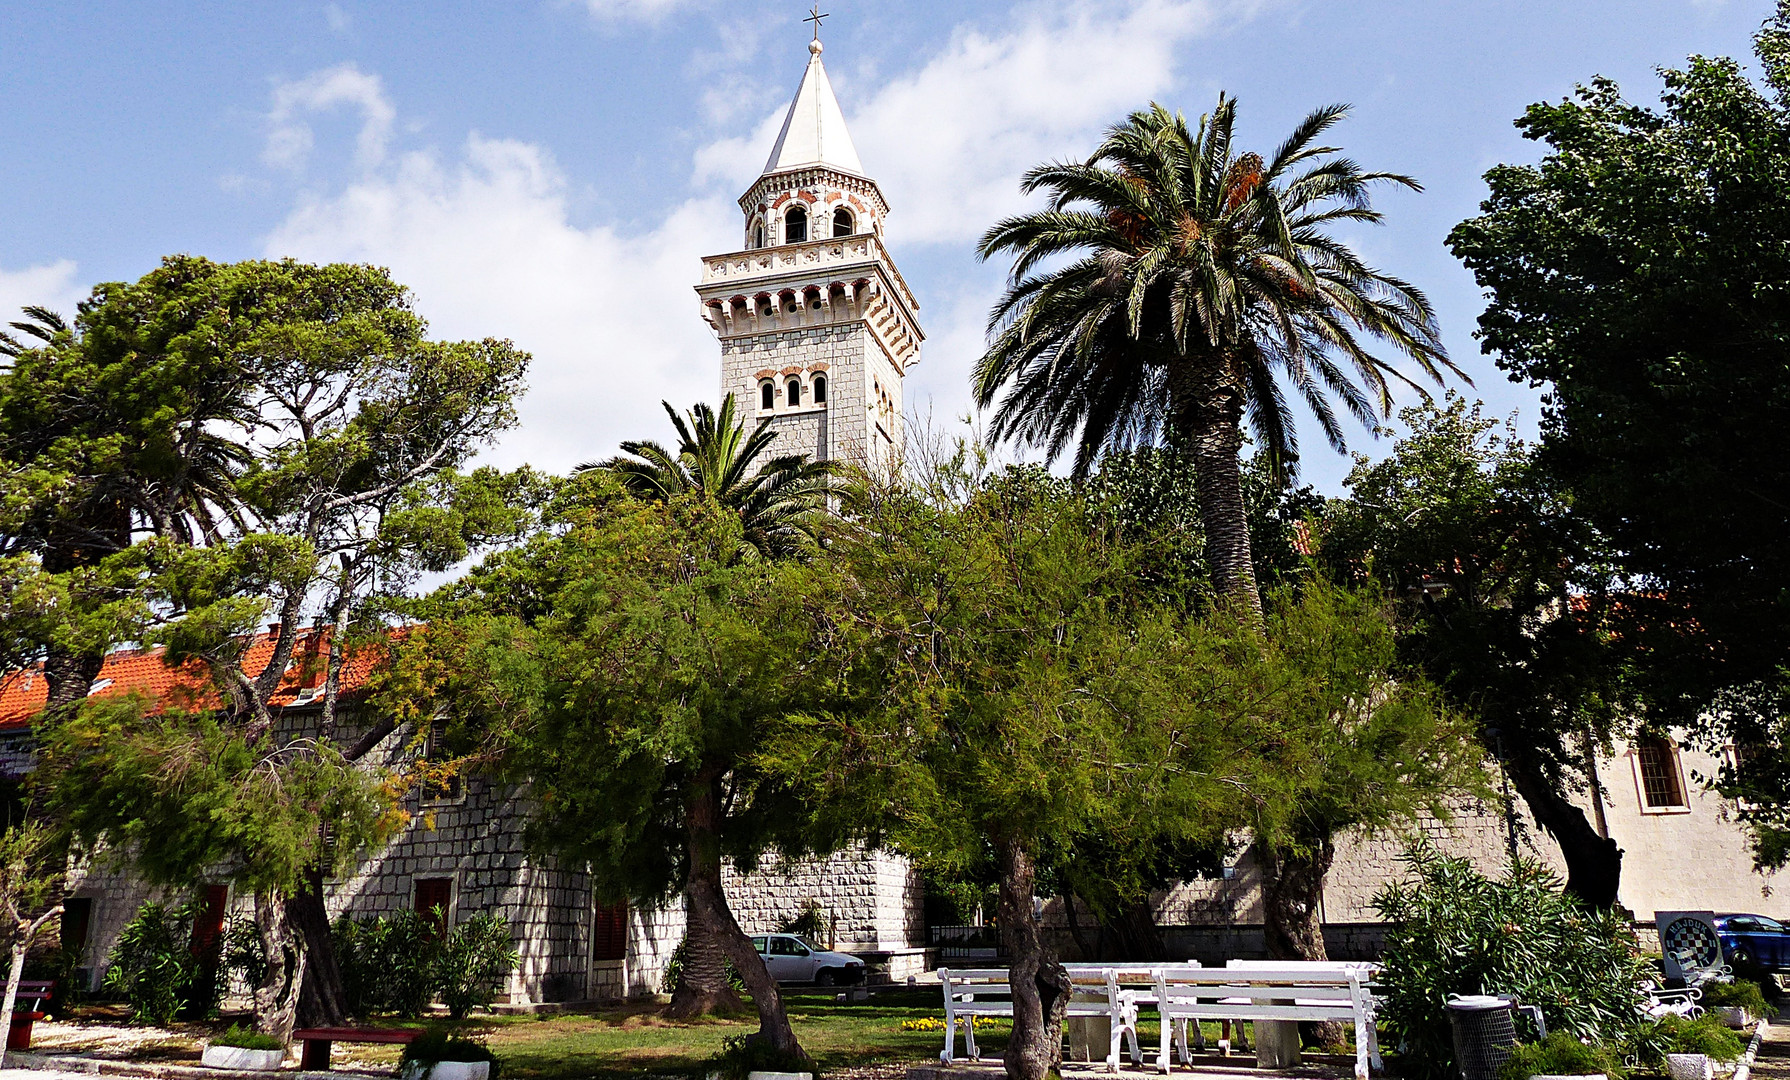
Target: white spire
[[814, 131]]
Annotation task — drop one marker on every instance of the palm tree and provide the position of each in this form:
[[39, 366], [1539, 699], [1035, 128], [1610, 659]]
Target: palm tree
[[780, 500], [1202, 286]]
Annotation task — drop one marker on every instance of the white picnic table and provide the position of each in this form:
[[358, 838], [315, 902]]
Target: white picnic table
[[1182, 995]]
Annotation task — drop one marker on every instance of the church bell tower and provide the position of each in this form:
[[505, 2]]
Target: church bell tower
[[817, 328]]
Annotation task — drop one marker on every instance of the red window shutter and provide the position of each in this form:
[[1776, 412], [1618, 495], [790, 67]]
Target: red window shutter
[[208, 923], [432, 898], [609, 935]]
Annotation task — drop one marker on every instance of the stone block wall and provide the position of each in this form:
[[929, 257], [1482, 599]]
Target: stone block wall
[[871, 899], [839, 350]]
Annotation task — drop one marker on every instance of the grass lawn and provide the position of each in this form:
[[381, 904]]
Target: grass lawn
[[633, 1040]]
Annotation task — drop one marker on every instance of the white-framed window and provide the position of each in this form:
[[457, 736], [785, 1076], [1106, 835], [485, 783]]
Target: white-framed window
[[795, 225], [794, 392], [843, 225], [767, 396], [1659, 776], [820, 389]]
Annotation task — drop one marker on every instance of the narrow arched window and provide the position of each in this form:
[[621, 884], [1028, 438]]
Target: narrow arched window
[[1656, 760], [842, 222], [795, 392], [767, 395], [820, 389], [758, 236], [795, 225]]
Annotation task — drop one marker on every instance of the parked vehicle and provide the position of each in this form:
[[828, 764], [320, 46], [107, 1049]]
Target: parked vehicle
[[793, 959], [1754, 939]]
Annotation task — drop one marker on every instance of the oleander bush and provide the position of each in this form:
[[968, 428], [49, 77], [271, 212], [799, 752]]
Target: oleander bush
[[1649, 1041], [152, 965], [1452, 930]]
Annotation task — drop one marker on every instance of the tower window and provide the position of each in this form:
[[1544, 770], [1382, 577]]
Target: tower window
[[842, 222], [1656, 762], [767, 395], [758, 236], [820, 389], [795, 392], [795, 225]]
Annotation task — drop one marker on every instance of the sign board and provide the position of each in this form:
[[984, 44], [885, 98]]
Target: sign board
[[1688, 937]]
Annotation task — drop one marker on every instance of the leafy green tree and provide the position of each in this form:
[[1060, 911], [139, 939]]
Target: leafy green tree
[[340, 487], [780, 501], [1504, 599], [999, 640], [1201, 285], [629, 664], [33, 881], [1637, 272], [1362, 744]]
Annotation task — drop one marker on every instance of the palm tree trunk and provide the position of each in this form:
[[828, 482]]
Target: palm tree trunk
[[1213, 412]]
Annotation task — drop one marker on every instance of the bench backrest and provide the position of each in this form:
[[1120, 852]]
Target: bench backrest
[[1190, 985], [974, 983]]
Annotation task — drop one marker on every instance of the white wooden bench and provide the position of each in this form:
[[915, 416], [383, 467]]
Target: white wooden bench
[[1268, 990], [985, 992]]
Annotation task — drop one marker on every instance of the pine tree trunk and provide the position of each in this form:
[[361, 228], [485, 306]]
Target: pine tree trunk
[[1292, 917], [1040, 985], [68, 675], [1593, 862], [323, 1001], [1215, 440], [276, 999]]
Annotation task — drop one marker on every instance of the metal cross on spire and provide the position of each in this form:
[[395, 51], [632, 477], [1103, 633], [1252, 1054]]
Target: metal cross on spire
[[815, 15]]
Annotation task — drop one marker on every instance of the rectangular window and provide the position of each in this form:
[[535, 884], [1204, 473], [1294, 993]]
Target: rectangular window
[[434, 899], [609, 932], [1661, 786], [438, 788]]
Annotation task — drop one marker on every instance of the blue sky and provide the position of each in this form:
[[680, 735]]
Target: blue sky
[[551, 171]]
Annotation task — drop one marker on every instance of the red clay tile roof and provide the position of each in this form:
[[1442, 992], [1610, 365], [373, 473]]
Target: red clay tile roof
[[22, 694]]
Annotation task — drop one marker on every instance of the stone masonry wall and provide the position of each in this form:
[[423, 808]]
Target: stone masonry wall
[[871, 899], [837, 430]]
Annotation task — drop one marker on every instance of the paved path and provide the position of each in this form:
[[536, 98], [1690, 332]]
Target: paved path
[[1773, 1062]]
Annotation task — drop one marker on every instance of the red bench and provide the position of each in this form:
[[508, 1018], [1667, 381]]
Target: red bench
[[319, 1041], [27, 1010]]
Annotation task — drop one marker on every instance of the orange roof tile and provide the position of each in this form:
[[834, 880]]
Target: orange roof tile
[[23, 693]]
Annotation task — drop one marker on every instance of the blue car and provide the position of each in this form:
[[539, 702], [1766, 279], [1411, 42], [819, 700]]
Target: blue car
[[1754, 939]]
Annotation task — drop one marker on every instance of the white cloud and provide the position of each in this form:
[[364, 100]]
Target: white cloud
[[622, 10], [289, 137], [486, 239], [949, 139], [339, 20], [487, 245], [50, 285]]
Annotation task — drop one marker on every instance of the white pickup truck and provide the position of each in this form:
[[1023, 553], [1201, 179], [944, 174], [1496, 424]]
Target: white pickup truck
[[794, 959]]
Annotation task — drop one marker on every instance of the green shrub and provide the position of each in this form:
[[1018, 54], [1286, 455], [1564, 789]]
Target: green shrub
[[1452, 930], [151, 965], [389, 963], [474, 960], [1560, 1055], [674, 968], [436, 1045], [1744, 993], [810, 922], [743, 1054], [246, 1039], [1651, 1040], [244, 954]]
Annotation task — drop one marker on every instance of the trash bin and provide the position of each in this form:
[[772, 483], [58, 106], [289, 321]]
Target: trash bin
[[1484, 1034]]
